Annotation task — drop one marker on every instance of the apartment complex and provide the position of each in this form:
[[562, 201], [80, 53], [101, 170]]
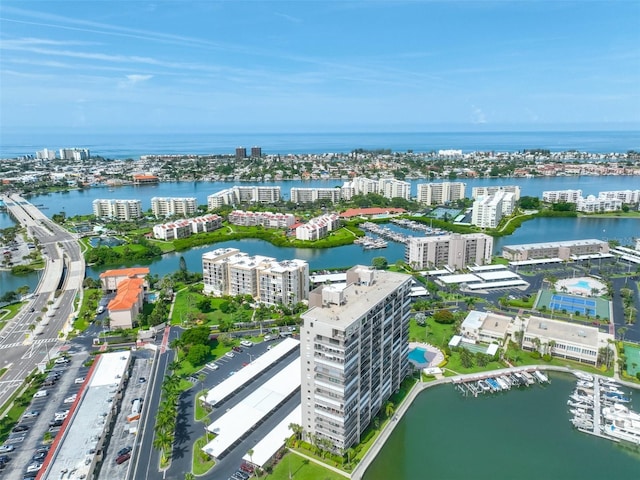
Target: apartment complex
[[74, 154], [625, 196], [309, 195], [354, 353], [561, 250], [488, 211], [455, 250], [227, 271], [170, 206], [117, 209], [186, 227], [264, 219], [387, 187], [486, 191], [440, 193], [241, 152], [318, 227], [46, 154], [130, 285], [244, 194], [558, 196], [591, 204]]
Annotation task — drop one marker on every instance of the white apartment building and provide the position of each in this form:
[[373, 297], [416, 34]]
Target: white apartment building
[[625, 196], [265, 219], [227, 271], [318, 227], [592, 204], [309, 195], [170, 206], [358, 186], [46, 154], [354, 353], [561, 250], [455, 250], [117, 209], [486, 191], [440, 193], [574, 341], [244, 194], [74, 154], [488, 211], [186, 227], [558, 196], [392, 188]]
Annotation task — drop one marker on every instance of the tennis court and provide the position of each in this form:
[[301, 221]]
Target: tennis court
[[572, 304], [559, 302], [633, 359]]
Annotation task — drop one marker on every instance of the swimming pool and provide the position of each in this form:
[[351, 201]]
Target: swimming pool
[[417, 355], [582, 284], [105, 242]]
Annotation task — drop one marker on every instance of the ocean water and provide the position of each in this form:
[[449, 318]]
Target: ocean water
[[134, 145]]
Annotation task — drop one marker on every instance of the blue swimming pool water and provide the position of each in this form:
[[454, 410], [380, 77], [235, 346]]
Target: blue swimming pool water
[[582, 284], [105, 242], [417, 355]]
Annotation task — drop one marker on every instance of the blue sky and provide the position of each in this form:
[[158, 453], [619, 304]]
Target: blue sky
[[304, 66]]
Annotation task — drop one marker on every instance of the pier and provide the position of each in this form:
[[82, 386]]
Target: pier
[[385, 232], [478, 384]]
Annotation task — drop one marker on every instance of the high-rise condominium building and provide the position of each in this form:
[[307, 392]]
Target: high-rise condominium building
[[455, 250], [241, 152], [557, 196], [354, 353], [488, 211], [244, 194], [256, 152], [486, 191], [309, 195], [440, 193], [170, 206]]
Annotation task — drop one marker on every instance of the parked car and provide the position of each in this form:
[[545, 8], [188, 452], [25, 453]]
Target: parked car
[[34, 467], [79, 380], [56, 422], [7, 448], [31, 414], [61, 361], [40, 394], [39, 456], [123, 458], [20, 428], [229, 354], [124, 450], [59, 413], [142, 380], [237, 349], [246, 343], [70, 399]]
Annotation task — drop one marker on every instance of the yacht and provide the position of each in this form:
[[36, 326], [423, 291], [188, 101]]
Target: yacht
[[583, 376]]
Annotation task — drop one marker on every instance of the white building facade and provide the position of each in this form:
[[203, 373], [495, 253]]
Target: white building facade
[[310, 195], [440, 193], [244, 195], [560, 196], [264, 219], [455, 250], [486, 191], [121, 210], [170, 206]]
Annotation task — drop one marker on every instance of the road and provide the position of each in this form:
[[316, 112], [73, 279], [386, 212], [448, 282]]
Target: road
[[64, 272]]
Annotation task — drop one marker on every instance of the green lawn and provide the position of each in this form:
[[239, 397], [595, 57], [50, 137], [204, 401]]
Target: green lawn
[[201, 463], [9, 311], [434, 333], [166, 247], [292, 466]]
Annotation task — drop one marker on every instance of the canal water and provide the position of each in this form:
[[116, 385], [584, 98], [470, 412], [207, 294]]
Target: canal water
[[523, 434]]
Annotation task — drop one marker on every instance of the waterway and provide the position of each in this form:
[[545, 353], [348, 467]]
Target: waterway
[[523, 434]]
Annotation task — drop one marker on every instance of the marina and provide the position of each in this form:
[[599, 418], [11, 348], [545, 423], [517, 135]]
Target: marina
[[480, 384], [385, 232], [599, 407], [371, 243]]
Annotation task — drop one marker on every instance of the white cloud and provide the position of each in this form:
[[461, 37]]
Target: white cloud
[[134, 79], [477, 115]]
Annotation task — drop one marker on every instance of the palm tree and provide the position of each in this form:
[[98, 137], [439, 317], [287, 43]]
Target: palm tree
[[250, 453], [297, 430], [551, 344], [201, 378], [163, 441], [622, 332], [389, 409], [536, 343]]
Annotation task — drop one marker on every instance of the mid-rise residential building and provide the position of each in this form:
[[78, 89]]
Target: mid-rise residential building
[[625, 196], [170, 206], [244, 195], [455, 250], [264, 219], [440, 193], [392, 188], [561, 250], [560, 196], [354, 353], [110, 279], [309, 195], [121, 210], [487, 327], [591, 204], [318, 227], [130, 285], [227, 271], [488, 211], [46, 154], [186, 227], [486, 191]]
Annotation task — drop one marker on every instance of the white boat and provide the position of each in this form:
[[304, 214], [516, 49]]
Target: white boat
[[585, 384], [583, 376], [621, 432], [541, 377], [528, 377], [503, 384]]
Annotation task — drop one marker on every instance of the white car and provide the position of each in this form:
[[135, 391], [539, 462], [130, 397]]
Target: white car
[[31, 414], [7, 448], [61, 416], [61, 361], [246, 343], [34, 467], [229, 354], [40, 394], [79, 380], [71, 399]]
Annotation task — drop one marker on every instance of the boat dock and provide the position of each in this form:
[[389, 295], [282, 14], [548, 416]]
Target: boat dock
[[475, 385], [599, 409], [385, 232]]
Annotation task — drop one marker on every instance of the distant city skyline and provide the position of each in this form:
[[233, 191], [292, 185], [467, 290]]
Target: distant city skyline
[[245, 66]]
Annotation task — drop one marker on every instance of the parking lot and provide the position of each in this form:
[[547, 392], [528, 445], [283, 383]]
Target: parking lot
[[46, 413]]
